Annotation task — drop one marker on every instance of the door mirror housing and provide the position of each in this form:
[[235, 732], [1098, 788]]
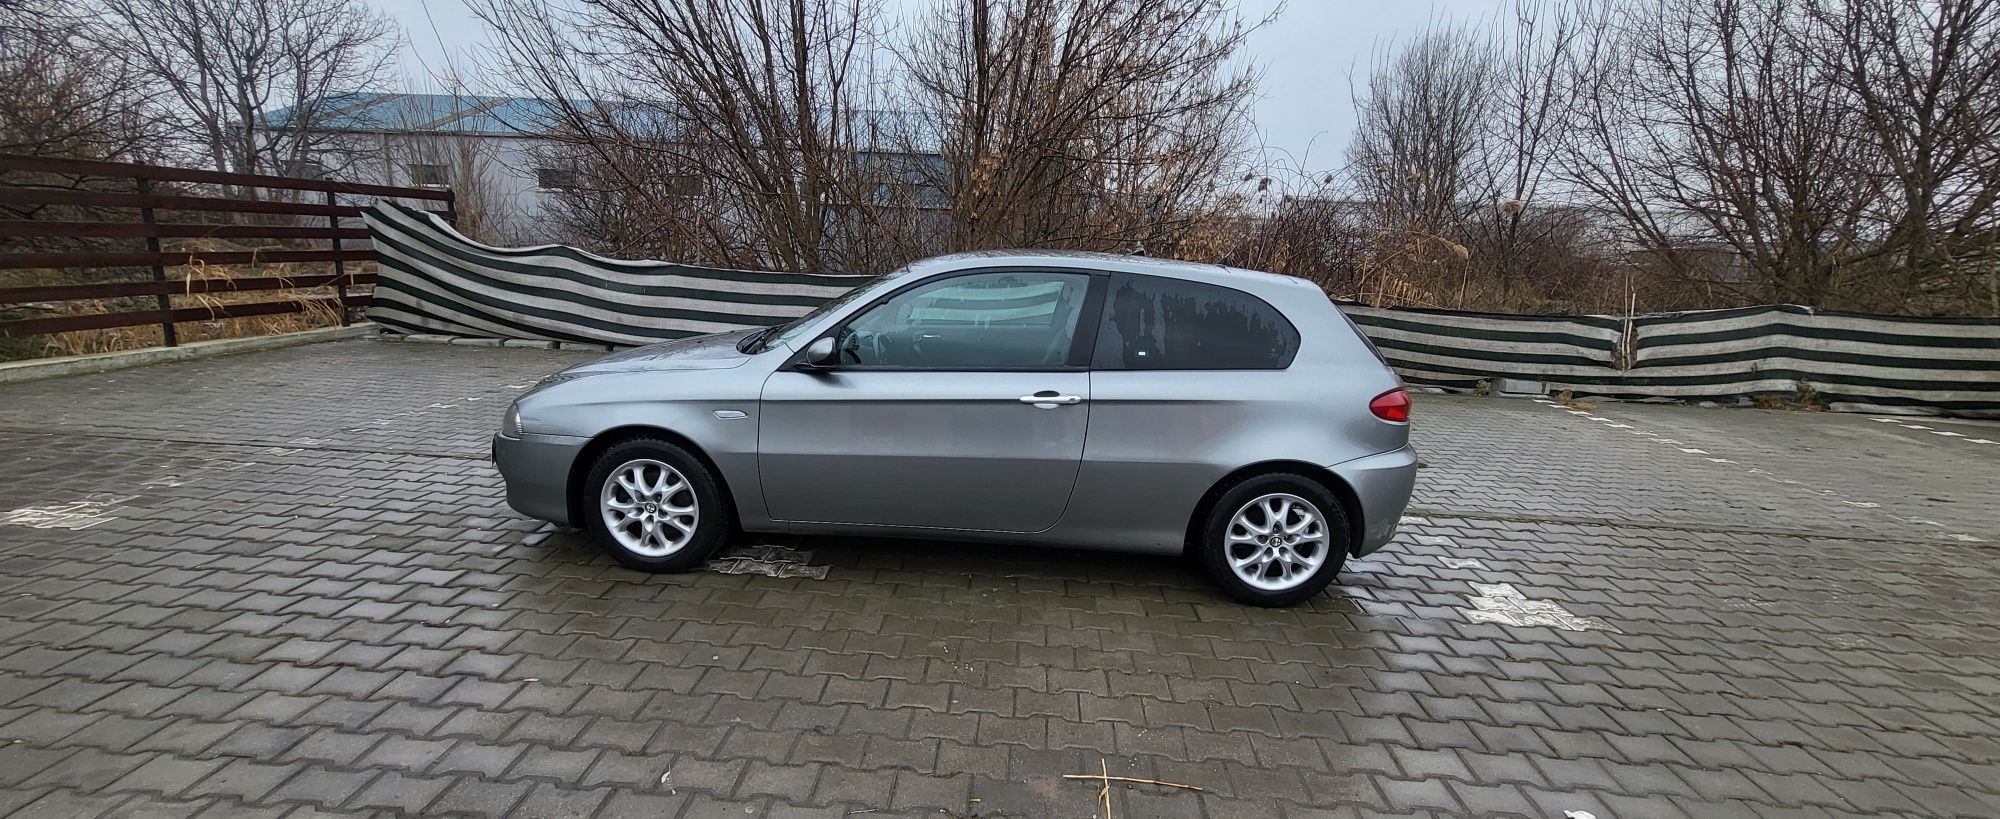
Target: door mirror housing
[[819, 355]]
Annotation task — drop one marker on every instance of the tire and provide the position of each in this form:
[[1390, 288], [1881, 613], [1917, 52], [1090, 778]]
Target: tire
[[1286, 572], [655, 538]]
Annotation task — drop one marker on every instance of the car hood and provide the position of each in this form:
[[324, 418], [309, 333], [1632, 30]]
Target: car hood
[[716, 351]]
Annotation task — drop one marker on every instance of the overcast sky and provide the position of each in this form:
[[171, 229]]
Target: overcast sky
[[1310, 57]]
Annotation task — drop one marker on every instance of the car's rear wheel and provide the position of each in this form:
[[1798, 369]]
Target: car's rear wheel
[[1274, 540], [654, 507]]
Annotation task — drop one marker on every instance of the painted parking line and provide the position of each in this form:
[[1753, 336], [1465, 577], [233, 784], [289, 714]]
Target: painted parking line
[[769, 561], [1959, 537], [1904, 423], [76, 514], [1502, 604]]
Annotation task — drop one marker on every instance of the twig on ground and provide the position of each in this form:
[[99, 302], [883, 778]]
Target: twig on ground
[[1104, 779], [1133, 780], [1104, 792]]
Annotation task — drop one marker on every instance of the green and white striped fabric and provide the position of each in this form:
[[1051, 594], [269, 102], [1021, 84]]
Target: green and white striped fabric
[[1855, 362], [434, 280], [1445, 348]]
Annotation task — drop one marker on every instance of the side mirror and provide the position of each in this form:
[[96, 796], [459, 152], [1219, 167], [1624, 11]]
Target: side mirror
[[819, 355]]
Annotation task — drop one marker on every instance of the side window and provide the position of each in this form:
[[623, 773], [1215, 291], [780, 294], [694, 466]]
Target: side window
[[1002, 320], [1154, 323]]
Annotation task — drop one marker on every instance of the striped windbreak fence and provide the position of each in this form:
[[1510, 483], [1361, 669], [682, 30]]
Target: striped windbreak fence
[[434, 280], [1854, 361], [1444, 348]]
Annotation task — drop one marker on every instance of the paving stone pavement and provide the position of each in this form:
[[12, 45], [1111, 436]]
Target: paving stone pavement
[[298, 592]]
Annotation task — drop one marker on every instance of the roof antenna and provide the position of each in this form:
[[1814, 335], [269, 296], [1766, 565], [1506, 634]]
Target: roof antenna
[[1138, 249]]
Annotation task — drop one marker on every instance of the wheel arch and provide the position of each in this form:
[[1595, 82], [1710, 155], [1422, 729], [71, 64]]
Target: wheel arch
[[1350, 503], [579, 470]]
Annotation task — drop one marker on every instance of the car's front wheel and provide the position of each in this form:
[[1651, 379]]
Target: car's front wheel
[[1274, 540], [655, 507]]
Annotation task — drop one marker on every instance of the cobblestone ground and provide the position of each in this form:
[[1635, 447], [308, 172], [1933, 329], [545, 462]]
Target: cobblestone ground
[[296, 590]]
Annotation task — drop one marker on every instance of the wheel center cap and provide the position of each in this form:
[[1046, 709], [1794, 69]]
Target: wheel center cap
[[1277, 540], [651, 508]]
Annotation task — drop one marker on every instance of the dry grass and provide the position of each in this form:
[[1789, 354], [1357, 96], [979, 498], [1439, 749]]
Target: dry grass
[[1804, 398], [84, 342]]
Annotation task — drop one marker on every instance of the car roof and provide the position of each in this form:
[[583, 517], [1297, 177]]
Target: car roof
[[1112, 262]]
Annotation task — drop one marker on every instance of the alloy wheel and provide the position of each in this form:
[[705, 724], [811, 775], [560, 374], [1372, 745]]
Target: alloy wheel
[[1276, 541], [649, 508]]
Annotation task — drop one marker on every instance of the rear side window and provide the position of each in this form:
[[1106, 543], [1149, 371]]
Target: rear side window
[[1154, 323]]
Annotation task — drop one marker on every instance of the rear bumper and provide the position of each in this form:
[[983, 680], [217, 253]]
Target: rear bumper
[[536, 469], [1382, 483]]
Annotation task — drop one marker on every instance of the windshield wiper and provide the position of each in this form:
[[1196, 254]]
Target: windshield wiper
[[750, 343]]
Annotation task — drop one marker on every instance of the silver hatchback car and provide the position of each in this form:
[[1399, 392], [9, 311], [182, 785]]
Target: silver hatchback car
[[1085, 400]]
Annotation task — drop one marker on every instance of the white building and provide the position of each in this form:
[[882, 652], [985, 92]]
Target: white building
[[484, 148], [488, 150]]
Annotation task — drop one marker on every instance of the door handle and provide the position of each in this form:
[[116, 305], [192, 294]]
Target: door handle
[[1048, 399]]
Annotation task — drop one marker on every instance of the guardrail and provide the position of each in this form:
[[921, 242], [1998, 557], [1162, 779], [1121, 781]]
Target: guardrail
[[134, 188]]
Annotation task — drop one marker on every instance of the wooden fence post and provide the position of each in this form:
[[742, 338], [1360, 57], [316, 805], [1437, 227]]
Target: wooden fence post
[[165, 301], [339, 267], [145, 195]]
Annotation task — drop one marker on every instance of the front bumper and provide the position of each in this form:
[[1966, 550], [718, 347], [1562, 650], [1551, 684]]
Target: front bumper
[[1382, 483], [536, 469]]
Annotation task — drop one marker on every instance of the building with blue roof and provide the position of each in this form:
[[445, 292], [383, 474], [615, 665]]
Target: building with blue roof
[[489, 149], [495, 153]]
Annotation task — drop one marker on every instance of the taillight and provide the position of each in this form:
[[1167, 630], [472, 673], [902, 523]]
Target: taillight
[[1393, 405]]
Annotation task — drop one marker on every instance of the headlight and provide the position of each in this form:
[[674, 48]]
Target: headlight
[[558, 378], [510, 424]]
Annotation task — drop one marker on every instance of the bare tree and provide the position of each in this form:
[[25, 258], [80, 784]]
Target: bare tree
[[1925, 78], [1103, 124], [727, 131], [1520, 227], [1421, 129], [1449, 198], [225, 64], [65, 95], [1716, 125], [1419, 163]]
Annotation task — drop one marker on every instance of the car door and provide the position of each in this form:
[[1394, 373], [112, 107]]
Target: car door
[[1187, 380], [957, 403]]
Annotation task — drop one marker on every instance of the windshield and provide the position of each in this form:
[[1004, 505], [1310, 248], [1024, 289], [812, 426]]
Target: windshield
[[789, 332]]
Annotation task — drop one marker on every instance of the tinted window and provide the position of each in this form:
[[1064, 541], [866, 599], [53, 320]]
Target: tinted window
[[980, 321], [1152, 323]]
